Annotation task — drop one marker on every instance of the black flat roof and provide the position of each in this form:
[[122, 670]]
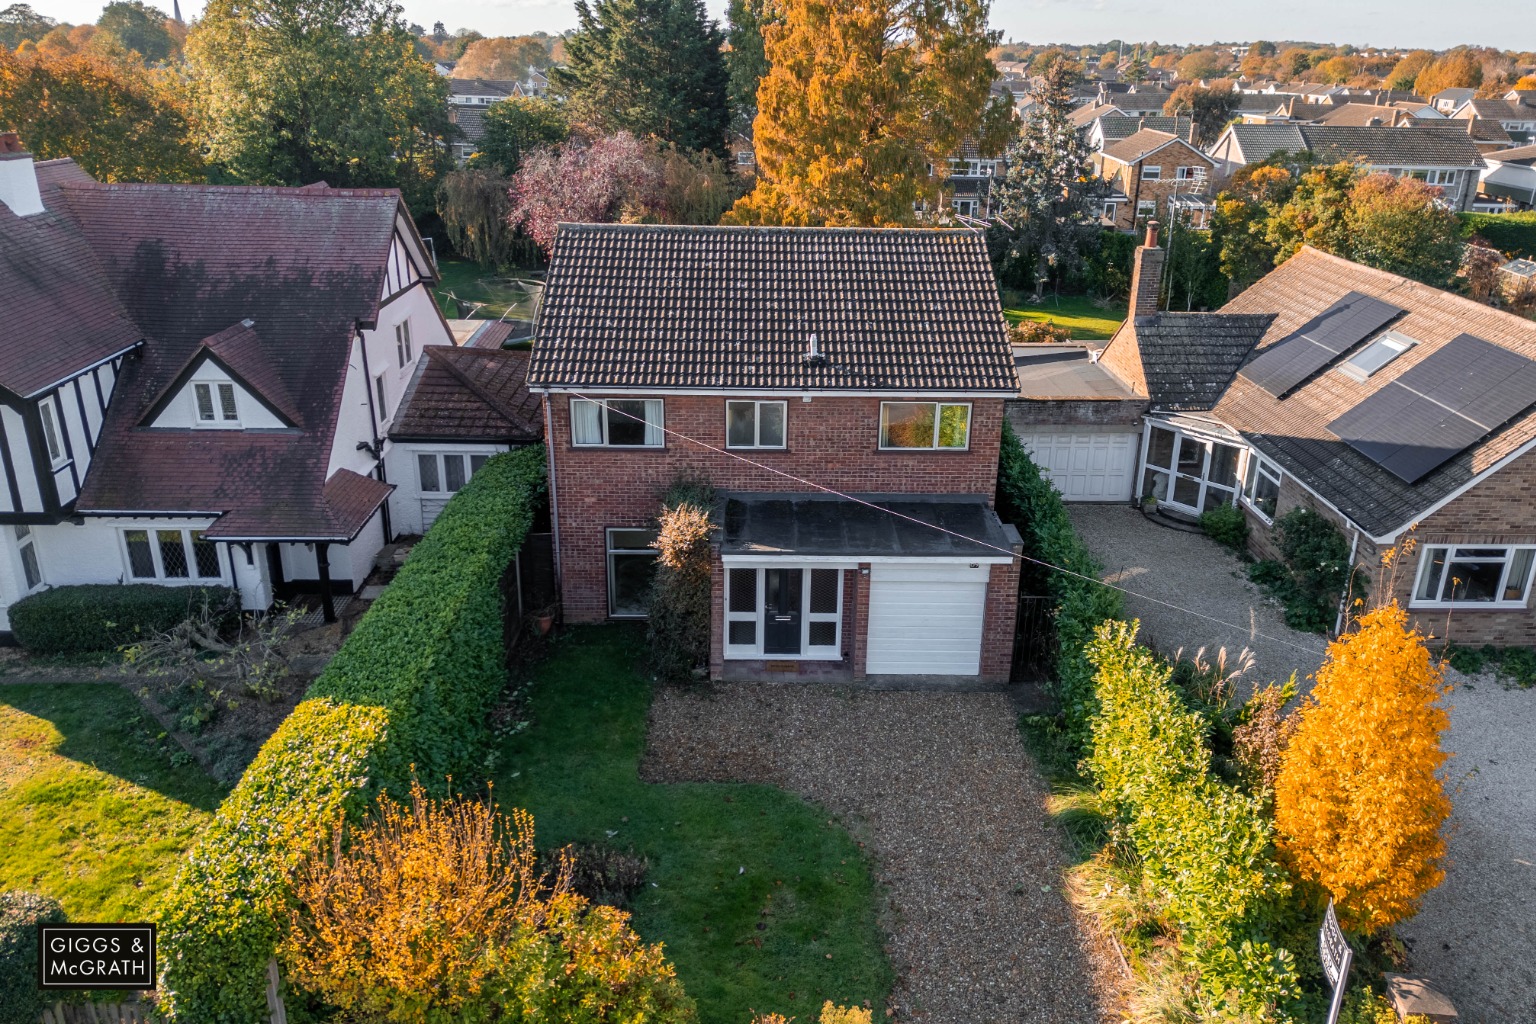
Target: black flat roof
[[814, 524]]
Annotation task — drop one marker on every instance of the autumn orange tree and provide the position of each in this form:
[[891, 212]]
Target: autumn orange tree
[[861, 98], [436, 911], [1359, 805]]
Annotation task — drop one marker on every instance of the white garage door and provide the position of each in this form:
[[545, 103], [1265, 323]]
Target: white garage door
[[925, 619], [1086, 465]]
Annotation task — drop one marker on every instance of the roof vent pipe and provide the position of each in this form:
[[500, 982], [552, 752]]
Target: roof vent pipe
[[813, 353]]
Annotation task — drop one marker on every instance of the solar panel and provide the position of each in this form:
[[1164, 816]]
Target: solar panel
[[1455, 396], [1293, 359]]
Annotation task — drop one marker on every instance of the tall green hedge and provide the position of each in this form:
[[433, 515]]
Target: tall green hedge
[[411, 686], [1512, 233], [21, 1001], [104, 616], [1027, 499]]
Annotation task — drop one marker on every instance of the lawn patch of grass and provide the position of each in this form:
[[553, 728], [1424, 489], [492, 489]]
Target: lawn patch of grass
[[1078, 313], [472, 283], [763, 904], [93, 811]]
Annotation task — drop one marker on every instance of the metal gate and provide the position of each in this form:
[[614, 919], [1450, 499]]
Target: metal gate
[[1034, 639]]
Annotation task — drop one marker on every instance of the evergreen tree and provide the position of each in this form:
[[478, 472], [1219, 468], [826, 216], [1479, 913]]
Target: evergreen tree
[[515, 126], [1136, 70], [1045, 200], [138, 27], [746, 62], [649, 67]]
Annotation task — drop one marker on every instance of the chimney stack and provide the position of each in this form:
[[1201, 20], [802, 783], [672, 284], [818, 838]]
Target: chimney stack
[[1147, 275], [18, 178]]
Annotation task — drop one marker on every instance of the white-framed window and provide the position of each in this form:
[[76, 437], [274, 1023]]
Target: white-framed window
[[403, 342], [617, 423], [1261, 486], [925, 425], [446, 472], [784, 612], [631, 566], [28, 551], [51, 431], [1186, 173], [965, 207], [1146, 207], [1440, 177], [755, 424], [1487, 576], [1151, 172], [744, 158], [1377, 354], [216, 405], [378, 394], [171, 554], [1110, 209]]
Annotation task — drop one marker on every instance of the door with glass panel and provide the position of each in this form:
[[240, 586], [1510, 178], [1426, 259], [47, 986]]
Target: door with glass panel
[[1188, 473]]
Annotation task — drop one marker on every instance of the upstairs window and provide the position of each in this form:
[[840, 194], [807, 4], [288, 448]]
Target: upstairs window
[[925, 425], [378, 394], [617, 423], [754, 424], [51, 431], [216, 404], [1151, 172], [403, 343], [1376, 355]]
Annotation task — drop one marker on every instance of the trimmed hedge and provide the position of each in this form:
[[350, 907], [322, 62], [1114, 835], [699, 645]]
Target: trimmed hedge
[[104, 616], [411, 686], [1028, 500], [1511, 233], [21, 1001]]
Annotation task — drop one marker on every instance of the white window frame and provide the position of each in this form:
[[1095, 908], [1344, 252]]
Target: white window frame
[[655, 436], [153, 530], [757, 424], [439, 461], [1395, 340], [1185, 172], [1258, 465], [754, 651], [609, 551], [1151, 172], [381, 395], [53, 438], [1110, 209], [1146, 207], [745, 158], [26, 543], [938, 414], [1426, 557], [216, 390], [403, 351]]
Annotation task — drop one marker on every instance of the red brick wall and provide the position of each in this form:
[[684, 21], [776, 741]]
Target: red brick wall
[[1002, 619], [831, 440]]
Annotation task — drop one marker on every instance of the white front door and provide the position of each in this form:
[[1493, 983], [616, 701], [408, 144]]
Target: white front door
[[1086, 464], [926, 619]]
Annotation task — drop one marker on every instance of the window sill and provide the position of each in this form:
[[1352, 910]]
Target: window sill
[[926, 451], [1467, 606], [1260, 516], [744, 655], [618, 447]]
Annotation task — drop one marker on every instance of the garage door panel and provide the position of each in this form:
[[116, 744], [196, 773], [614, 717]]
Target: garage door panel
[[926, 619], [1086, 465]]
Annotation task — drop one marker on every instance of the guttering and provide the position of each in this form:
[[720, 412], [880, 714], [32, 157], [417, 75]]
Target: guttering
[[907, 393]]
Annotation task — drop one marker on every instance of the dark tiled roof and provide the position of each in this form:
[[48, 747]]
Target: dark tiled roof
[[1294, 431], [1114, 128], [1381, 146], [482, 87], [470, 121], [340, 510], [1190, 358], [819, 524], [306, 266], [1137, 145], [58, 313], [493, 334], [652, 307], [469, 394], [1517, 155]]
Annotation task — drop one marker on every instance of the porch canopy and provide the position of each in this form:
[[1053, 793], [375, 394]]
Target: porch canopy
[[823, 526]]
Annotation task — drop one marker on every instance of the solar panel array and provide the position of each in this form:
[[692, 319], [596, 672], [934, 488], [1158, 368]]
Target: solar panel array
[[1287, 363], [1457, 395]]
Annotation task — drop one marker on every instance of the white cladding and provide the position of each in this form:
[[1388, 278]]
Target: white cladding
[[182, 410], [411, 509]]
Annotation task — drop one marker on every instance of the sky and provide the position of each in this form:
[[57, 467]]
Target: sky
[[1378, 23]]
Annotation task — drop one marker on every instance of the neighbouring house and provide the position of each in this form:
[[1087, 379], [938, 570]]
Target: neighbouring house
[[1447, 100], [1108, 129], [1517, 121], [1441, 155], [200, 379], [468, 99], [1156, 173], [968, 184], [841, 389], [462, 406], [1509, 181], [1404, 414]]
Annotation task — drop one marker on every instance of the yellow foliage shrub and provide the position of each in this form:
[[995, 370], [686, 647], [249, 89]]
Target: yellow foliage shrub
[[1358, 803]]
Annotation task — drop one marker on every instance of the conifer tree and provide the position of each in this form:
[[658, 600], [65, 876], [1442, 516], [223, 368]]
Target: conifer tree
[[1045, 200], [1359, 806], [861, 99], [649, 67], [745, 62]]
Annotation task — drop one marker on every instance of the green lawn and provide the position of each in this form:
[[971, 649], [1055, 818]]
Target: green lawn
[[472, 283], [1079, 313], [92, 811], [762, 903]]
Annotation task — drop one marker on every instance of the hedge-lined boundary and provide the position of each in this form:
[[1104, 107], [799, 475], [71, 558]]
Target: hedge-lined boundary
[[1513, 233], [411, 686], [103, 616]]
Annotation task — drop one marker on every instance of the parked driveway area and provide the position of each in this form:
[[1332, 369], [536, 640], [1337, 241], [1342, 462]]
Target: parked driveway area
[[1475, 937]]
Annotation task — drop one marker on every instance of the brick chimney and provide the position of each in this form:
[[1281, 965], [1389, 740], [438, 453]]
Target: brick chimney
[[18, 178], [1146, 275]]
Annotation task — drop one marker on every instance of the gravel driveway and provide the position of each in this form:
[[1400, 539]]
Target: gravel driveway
[[1475, 937], [941, 791]]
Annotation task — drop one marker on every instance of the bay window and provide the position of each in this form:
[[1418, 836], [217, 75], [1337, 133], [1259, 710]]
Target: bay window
[[1492, 576], [925, 425], [616, 423]]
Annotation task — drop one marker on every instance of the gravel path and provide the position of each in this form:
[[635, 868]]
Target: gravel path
[[939, 787], [1194, 572]]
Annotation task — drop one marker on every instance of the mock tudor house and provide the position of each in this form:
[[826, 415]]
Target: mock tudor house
[[842, 390], [197, 381], [1404, 414]]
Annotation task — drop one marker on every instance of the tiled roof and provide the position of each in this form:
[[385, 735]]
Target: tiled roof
[[1114, 128], [1133, 147], [1413, 146], [1294, 432], [1091, 112], [1517, 155], [1363, 114], [305, 266], [58, 313], [491, 334], [482, 87], [1499, 110], [1190, 358], [890, 309], [470, 121], [337, 513], [469, 394]]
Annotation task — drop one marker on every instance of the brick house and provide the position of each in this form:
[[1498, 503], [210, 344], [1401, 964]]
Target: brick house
[[1401, 412], [1149, 170], [843, 391]]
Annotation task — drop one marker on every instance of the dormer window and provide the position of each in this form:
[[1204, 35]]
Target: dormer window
[[216, 404], [1376, 355]]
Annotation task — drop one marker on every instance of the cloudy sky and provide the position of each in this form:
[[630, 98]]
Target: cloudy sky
[[1384, 23]]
